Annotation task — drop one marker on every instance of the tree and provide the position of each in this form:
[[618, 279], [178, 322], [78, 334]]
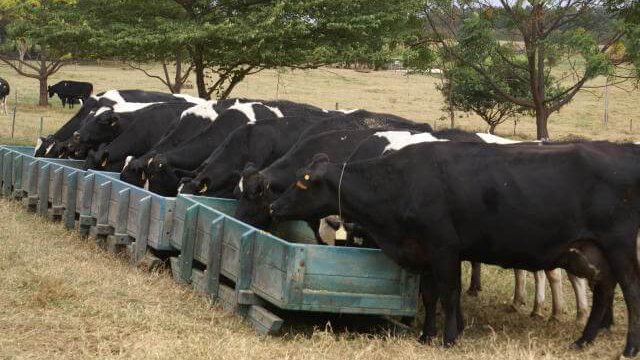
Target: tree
[[468, 91], [44, 27], [546, 41]]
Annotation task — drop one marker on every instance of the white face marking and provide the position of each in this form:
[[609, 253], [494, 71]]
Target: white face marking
[[240, 184], [276, 111], [191, 99], [492, 139], [204, 111], [246, 109], [113, 95], [127, 161], [400, 139], [180, 188], [49, 149], [38, 144]]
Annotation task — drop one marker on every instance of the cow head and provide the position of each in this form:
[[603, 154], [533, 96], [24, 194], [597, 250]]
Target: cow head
[[102, 128], [133, 171], [254, 194], [163, 178], [44, 146], [50, 91], [193, 186], [310, 196]]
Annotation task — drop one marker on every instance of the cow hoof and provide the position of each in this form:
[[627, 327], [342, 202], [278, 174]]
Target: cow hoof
[[629, 352], [579, 344], [537, 314], [473, 292]]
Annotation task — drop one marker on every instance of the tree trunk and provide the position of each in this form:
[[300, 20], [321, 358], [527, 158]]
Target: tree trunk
[[198, 63], [177, 83], [492, 128], [542, 117], [44, 77]]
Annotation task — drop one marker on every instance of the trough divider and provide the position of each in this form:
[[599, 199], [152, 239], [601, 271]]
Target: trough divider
[[30, 202], [102, 228], [70, 210], [7, 170], [57, 209], [86, 220], [120, 236], [17, 177], [214, 258], [188, 244], [43, 190], [144, 218], [243, 283], [3, 151]]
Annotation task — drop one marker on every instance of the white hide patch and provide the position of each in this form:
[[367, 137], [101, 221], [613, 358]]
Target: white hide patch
[[38, 145], [347, 112], [400, 139], [113, 95], [246, 109], [127, 161], [180, 188], [49, 149], [191, 99], [240, 184], [204, 111], [276, 111], [124, 107], [492, 139]]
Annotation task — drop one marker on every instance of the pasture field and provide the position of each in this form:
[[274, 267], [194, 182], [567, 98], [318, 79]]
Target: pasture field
[[61, 297]]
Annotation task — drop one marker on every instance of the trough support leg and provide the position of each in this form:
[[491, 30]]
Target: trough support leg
[[86, 220], [30, 202], [102, 228], [120, 239], [139, 247], [7, 171], [71, 195], [43, 190], [214, 258], [18, 191], [57, 209]]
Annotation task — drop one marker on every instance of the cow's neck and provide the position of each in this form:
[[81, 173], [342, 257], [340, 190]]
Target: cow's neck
[[365, 193]]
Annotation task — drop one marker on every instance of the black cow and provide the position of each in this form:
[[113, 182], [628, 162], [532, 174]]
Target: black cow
[[165, 170], [57, 144], [71, 92], [429, 206], [261, 143], [336, 136], [146, 127], [193, 122], [109, 123], [5, 89]]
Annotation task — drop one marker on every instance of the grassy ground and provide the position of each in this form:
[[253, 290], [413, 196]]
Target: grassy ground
[[61, 297]]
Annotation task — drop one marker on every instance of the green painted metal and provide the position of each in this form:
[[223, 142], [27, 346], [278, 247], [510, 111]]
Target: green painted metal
[[71, 196], [144, 215], [7, 172], [43, 189]]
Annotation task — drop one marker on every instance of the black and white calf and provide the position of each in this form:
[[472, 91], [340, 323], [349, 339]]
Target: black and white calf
[[5, 90], [57, 144], [430, 205]]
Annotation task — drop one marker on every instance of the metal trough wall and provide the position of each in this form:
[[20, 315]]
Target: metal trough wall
[[16, 164], [288, 275], [124, 212]]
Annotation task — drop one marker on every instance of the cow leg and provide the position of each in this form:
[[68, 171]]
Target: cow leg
[[538, 305], [580, 290], [430, 302], [624, 265], [475, 286], [602, 299], [520, 289], [446, 271], [555, 281]]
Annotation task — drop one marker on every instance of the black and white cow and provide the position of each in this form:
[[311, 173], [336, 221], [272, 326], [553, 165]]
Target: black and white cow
[[189, 135], [71, 92], [165, 170], [430, 205], [145, 128], [109, 123], [57, 144], [5, 89]]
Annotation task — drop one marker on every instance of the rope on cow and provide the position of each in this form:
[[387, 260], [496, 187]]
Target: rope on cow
[[341, 233]]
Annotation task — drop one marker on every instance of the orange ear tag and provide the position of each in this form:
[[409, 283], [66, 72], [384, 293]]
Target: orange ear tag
[[301, 185]]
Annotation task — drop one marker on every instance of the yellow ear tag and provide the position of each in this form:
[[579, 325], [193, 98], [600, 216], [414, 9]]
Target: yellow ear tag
[[104, 163], [204, 189], [307, 177], [301, 185], [341, 233]]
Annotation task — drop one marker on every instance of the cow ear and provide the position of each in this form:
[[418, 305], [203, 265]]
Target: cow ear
[[249, 169], [316, 169]]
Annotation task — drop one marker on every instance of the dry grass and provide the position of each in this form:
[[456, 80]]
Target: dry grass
[[61, 297]]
